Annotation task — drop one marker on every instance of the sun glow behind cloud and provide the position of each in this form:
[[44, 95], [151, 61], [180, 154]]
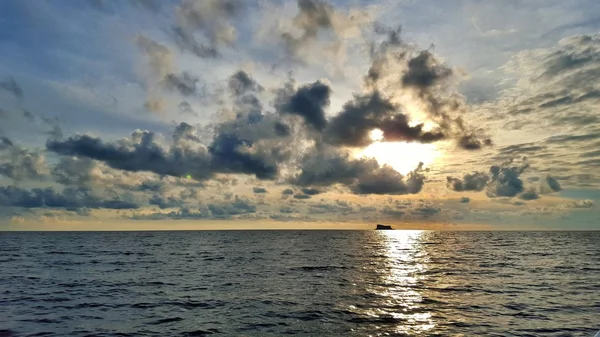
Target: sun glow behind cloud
[[401, 156]]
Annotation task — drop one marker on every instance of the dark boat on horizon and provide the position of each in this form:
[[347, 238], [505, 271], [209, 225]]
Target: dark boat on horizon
[[383, 227]]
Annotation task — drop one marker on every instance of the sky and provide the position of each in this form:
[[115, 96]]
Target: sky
[[250, 114]]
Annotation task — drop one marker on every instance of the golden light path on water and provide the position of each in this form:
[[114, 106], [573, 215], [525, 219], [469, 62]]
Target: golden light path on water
[[403, 273]]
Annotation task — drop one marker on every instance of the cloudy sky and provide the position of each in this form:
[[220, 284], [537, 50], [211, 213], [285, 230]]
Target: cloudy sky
[[182, 114]]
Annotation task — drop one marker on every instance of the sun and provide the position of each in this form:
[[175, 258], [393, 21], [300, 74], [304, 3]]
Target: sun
[[401, 156]]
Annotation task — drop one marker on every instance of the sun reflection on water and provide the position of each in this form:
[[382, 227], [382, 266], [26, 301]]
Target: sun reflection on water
[[402, 273]]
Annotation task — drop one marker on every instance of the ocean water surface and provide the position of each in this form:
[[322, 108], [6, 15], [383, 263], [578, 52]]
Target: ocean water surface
[[304, 283]]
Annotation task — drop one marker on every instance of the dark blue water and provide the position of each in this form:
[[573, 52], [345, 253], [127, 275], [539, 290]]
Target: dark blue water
[[310, 283]]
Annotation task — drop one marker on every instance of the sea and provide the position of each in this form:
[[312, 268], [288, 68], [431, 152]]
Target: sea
[[299, 283]]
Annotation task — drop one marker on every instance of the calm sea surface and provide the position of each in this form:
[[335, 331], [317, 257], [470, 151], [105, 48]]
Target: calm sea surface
[[309, 283]]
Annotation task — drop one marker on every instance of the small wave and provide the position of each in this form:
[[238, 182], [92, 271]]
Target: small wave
[[217, 258], [515, 306], [156, 283], [54, 299], [55, 252], [453, 289], [270, 302], [190, 304], [310, 315], [381, 319], [7, 333], [319, 268], [258, 326], [427, 300], [41, 320], [460, 324], [91, 305], [201, 333], [144, 305], [166, 320], [530, 316]]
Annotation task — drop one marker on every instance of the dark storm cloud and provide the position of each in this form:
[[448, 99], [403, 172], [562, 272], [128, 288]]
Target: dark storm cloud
[[397, 67], [287, 191], [552, 184], [302, 196], [420, 73], [152, 186], [311, 191], [73, 171], [505, 180], [530, 194], [5, 143], [473, 142], [259, 190], [475, 181], [501, 181], [282, 130], [11, 86], [235, 148], [358, 118], [250, 142], [386, 180], [241, 83], [212, 19], [397, 129], [309, 102], [140, 153], [238, 206], [365, 113], [19, 163], [69, 199], [328, 166], [185, 83], [424, 72], [229, 156], [166, 202], [185, 131]]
